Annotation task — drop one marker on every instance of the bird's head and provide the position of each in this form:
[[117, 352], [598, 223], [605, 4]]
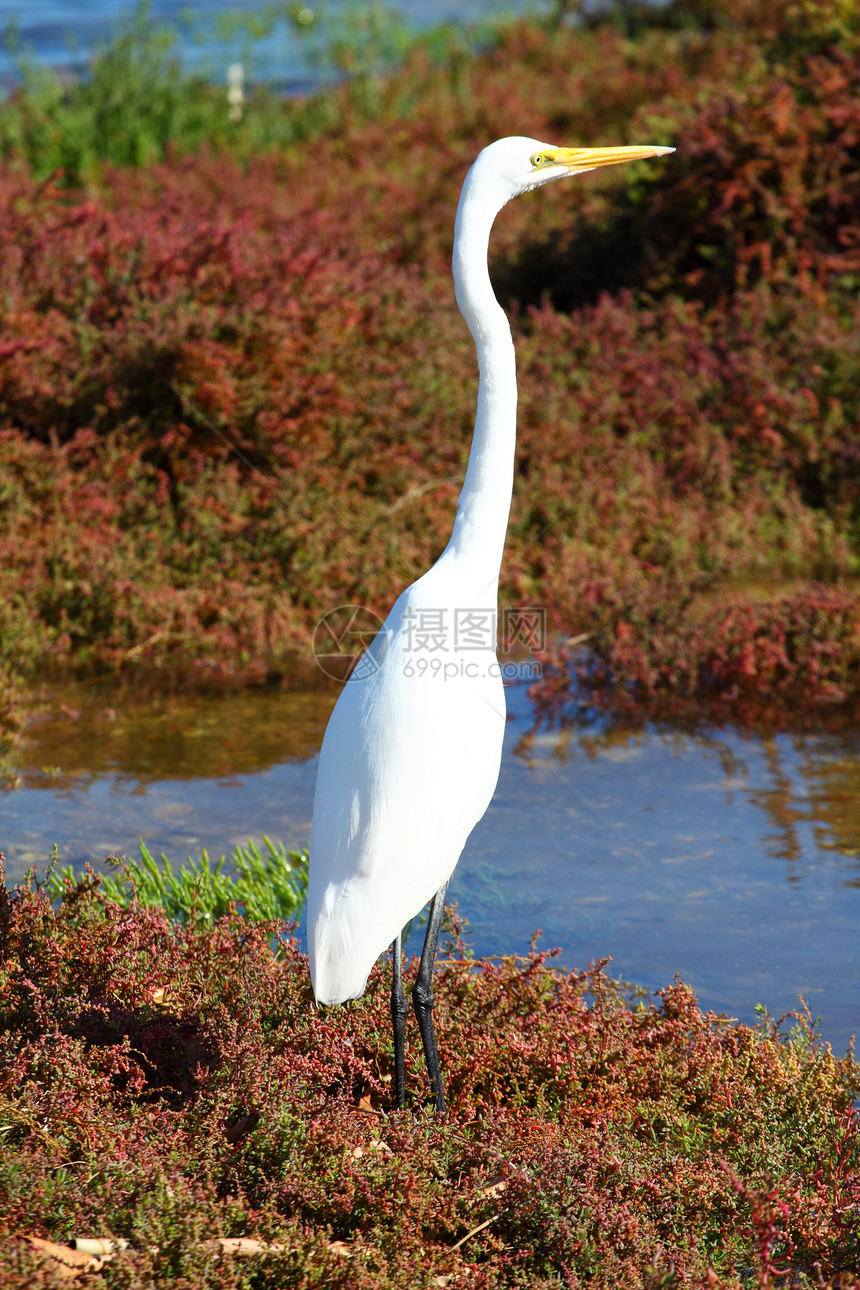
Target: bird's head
[[518, 164]]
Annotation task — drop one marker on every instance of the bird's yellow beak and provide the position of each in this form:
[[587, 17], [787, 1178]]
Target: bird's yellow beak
[[576, 159]]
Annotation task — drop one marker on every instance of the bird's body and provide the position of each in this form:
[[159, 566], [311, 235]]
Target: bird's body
[[411, 752], [411, 756]]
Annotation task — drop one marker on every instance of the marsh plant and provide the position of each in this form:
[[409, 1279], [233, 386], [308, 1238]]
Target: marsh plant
[[261, 885], [138, 99], [169, 1083], [236, 391]]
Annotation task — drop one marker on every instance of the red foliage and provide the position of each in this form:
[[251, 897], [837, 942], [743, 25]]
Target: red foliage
[[174, 1084], [750, 661], [235, 396], [765, 187]]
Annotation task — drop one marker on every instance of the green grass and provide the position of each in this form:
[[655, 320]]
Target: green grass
[[260, 885]]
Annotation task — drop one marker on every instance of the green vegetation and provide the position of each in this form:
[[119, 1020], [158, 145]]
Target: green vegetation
[[11, 722], [258, 886], [134, 104], [171, 1084], [138, 105]]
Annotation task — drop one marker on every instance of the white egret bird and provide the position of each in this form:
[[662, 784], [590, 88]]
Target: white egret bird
[[412, 751]]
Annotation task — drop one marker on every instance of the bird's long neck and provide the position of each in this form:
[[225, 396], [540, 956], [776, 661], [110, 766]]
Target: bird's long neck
[[478, 539]]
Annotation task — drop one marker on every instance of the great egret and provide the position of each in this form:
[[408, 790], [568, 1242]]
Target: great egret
[[411, 755]]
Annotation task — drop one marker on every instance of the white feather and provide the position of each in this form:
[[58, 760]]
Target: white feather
[[411, 756], [408, 766]]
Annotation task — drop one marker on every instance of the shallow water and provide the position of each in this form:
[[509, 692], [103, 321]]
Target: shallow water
[[731, 859]]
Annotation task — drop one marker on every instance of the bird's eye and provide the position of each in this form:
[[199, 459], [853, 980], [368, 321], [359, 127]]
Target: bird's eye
[[537, 160]]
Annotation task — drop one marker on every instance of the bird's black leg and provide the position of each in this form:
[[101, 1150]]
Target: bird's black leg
[[422, 995], [399, 1013]]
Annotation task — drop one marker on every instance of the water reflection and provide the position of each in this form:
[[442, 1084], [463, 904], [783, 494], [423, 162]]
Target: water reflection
[[824, 798], [731, 858], [88, 731], [810, 795]]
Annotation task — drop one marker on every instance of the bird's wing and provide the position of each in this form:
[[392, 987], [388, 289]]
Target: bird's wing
[[408, 766]]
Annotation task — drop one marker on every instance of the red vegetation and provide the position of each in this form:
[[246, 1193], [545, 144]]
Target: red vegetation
[[236, 395], [170, 1085], [754, 663]]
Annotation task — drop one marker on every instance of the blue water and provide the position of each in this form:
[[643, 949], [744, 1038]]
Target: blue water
[[729, 858], [60, 33]]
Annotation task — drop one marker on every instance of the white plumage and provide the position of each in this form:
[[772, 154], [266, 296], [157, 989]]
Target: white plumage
[[429, 748], [411, 756]]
